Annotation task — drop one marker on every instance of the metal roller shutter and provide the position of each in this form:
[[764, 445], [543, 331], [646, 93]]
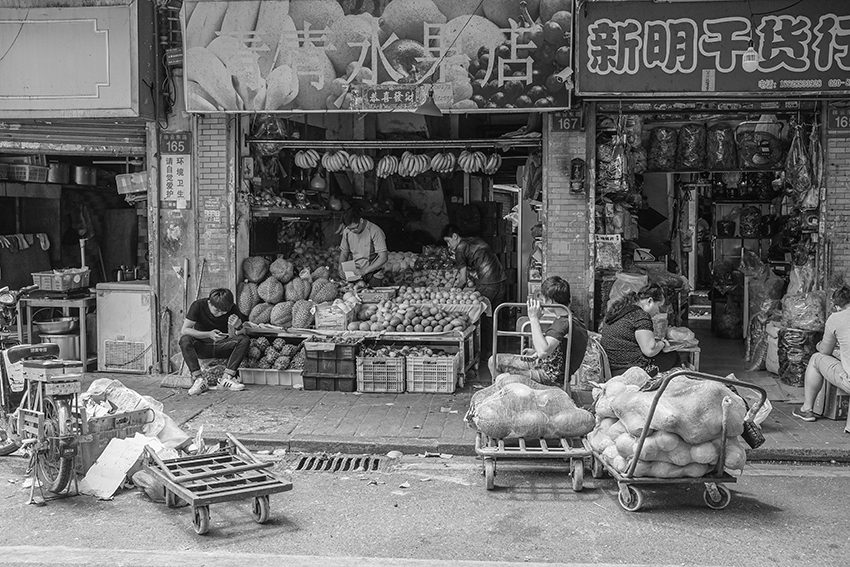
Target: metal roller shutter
[[101, 137]]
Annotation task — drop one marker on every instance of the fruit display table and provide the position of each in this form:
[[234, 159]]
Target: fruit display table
[[466, 342]]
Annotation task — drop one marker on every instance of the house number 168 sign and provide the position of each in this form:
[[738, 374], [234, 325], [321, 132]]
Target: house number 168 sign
[[175, 170]]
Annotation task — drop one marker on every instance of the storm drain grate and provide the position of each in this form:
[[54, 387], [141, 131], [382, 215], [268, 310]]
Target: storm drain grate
[[339, 463]]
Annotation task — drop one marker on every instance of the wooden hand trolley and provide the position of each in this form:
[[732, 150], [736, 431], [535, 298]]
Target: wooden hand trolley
[[232, 473]]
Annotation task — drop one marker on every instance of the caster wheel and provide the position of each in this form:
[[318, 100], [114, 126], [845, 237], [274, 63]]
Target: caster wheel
[[631, 498], [260, 509], [201, 519], [489, 473], [171, 499], [717, 498], [578, 474], [597, 470]]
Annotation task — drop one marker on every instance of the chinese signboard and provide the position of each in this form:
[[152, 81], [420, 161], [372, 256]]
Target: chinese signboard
[[331, 56], [175, 170], [697, 48]]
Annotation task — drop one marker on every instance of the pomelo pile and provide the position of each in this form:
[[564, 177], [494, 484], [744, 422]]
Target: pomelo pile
[[406, 318]]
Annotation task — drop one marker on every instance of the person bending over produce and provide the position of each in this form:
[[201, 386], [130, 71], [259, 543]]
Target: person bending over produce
[[364, 242], [824, 364], [628, 336], [204, 334], [472, 253], [545, 362]]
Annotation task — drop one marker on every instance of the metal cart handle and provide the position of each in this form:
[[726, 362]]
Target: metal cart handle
[[690, 374], [497, 333]]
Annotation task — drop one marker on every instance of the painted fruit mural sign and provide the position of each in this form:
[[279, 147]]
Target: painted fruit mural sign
[[377, 55]]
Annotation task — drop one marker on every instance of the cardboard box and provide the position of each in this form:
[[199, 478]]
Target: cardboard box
[[832, 402]]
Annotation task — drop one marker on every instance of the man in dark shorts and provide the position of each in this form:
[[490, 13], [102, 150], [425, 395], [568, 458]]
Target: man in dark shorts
[[472, 253], [204, 335]]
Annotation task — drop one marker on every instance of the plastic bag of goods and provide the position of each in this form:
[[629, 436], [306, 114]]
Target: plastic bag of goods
[[729, 322], [624, 284], [802, 278], [721, 153], [798, 173], [638, 160], [690, 150], [612, 167], [609, 252], [767, 286], [516, 409], [749, 224], [756, 343], [771, 359], [751, 398], [662, 149], [591, 366], [804, 310], [796, 347], [633, 129]]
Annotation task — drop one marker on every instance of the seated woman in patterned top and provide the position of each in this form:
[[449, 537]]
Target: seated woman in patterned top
[[628, 336], [545, 362]]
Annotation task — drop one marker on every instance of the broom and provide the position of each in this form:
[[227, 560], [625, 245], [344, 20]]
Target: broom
[[178, 379]]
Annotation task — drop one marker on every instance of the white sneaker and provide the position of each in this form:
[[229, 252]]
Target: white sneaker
[[228, 383], [199, 387]]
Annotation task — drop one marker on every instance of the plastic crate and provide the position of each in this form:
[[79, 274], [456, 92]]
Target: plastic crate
[[28, 173], [271, 377], [329, 318], [4, 171], [377, 294], [380, 374], [330, 360], [92, 445], [62, 281], [434, 374], [329, 384]]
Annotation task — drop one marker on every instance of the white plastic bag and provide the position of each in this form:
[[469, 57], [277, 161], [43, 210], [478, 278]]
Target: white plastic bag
[[624, 284], [752, 397]]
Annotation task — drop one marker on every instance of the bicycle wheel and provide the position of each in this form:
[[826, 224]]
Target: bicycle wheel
[[55, 471]]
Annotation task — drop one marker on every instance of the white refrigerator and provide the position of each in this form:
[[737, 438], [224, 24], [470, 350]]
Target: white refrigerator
[[124, 327]]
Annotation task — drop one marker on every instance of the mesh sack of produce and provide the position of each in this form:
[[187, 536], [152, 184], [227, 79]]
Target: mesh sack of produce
[[517, 410], [590, 370], [798, 171], [749, 223], [662, 149], [759, 150], [690, 147], [721, 153], [796, 347], [804, 310]]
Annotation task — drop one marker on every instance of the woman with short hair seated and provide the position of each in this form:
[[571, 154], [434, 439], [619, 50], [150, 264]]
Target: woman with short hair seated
[[628, 336]]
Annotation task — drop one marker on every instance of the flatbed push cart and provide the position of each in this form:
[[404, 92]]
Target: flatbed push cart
[[572, 450], [231, 473], [716, 495]]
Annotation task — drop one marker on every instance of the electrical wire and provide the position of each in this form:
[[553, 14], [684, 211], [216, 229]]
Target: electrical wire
[[772, 11], [17, 35]]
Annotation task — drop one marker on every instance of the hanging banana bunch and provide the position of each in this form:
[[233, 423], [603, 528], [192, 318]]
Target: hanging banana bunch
[[492, 165], [412, 164], [307, 159], [336, 161], [360, 163], [388, 165], [472, 162], [443, 162]]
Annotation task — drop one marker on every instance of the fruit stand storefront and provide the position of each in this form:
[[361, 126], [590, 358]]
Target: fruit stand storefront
[[709, 167], [419, 114]]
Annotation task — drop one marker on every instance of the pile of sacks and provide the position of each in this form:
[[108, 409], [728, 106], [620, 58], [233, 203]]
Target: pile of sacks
[[685, 431], [518, 407]]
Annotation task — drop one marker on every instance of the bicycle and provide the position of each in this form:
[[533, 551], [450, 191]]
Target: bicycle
[[39, 406]]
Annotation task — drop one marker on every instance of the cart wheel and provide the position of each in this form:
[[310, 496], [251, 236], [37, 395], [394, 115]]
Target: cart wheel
[[578, 474], [171, 499], [597, 470], [631, 498], [260, 509], [489, 473], [201, 519], [716, 496]]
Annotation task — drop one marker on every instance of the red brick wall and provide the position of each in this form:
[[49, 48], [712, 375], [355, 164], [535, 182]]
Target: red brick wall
[[565, 218], [214, 212], [837, 204]]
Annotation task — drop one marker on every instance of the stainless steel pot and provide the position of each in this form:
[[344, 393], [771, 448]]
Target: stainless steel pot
[[59, 172], [58, 326], [85, 175]]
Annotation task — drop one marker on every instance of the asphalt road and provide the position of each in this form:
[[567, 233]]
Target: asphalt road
[[435, 511]]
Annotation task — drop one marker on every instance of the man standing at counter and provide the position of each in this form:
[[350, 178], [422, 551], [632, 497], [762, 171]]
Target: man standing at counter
[[472, 253], [364, 242]]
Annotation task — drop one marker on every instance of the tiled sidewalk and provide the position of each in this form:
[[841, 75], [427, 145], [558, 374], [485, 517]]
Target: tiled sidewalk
[[348, 422]]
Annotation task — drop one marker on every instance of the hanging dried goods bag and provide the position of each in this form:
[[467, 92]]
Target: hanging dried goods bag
[[721, 152], [662, 149], [690, 150], [749, 223], [758, 149], [798, 173]]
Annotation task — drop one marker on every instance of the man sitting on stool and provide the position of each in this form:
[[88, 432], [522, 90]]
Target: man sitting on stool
[[204, 335]]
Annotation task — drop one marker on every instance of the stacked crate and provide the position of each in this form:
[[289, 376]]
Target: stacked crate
[[330, 366]]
